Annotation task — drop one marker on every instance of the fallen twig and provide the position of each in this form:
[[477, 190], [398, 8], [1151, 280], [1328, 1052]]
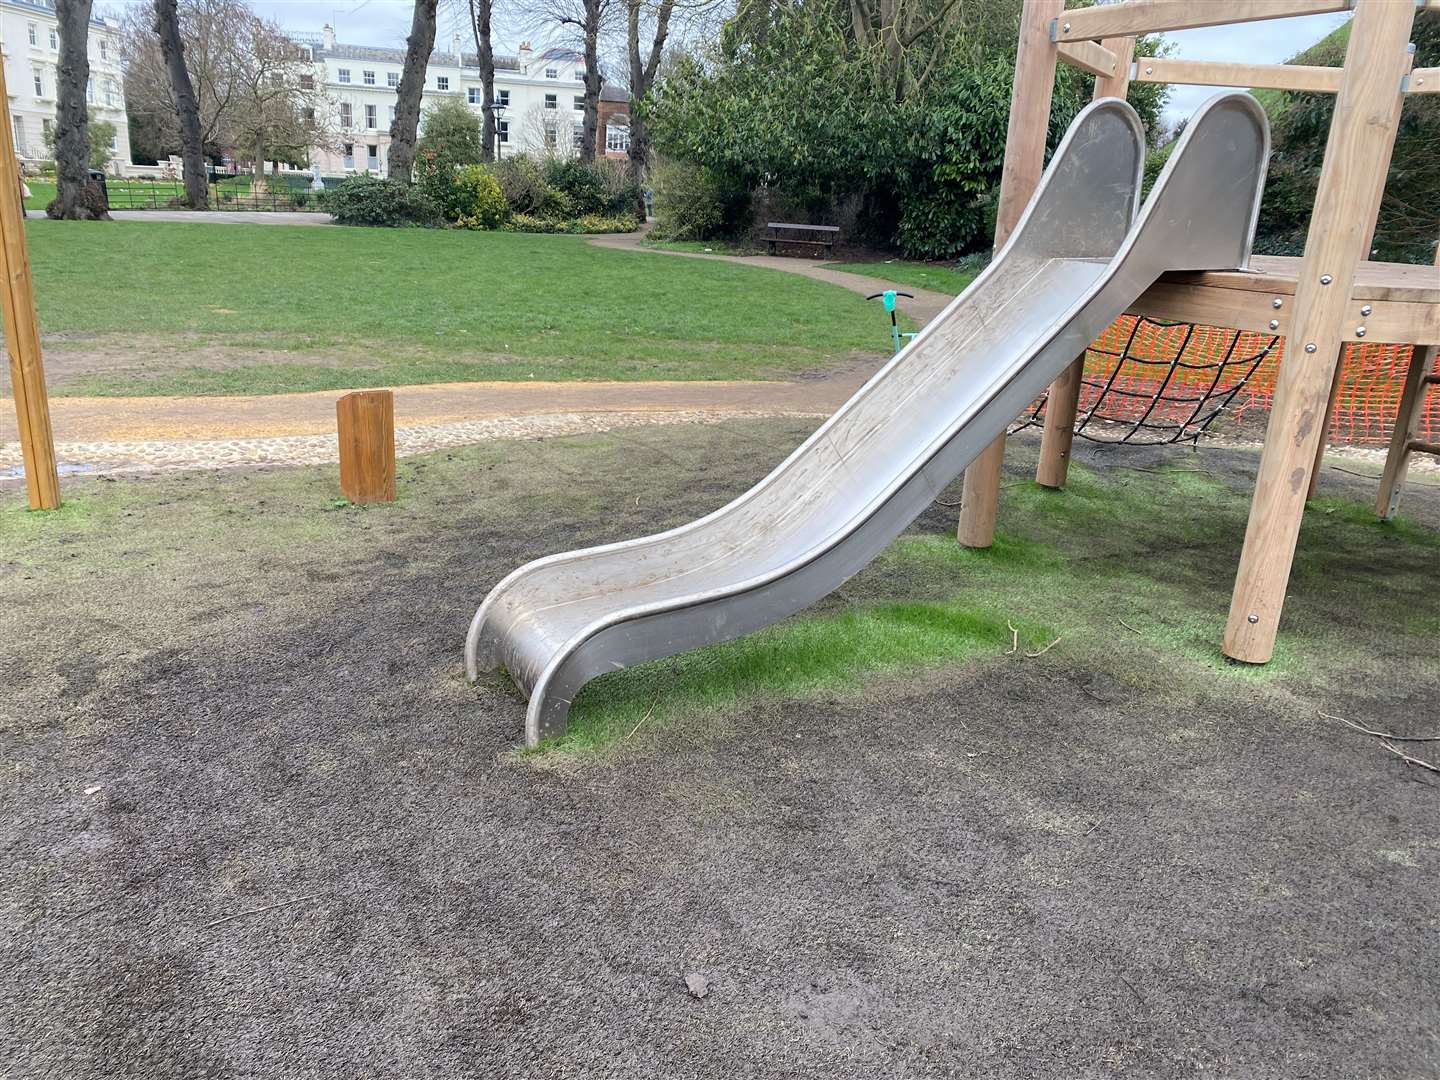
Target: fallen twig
[[1382, 734], [259, 910], [1014, 638], [94, 907], [653, 702], [1047, 648], [1407, 758], [1127, 626]]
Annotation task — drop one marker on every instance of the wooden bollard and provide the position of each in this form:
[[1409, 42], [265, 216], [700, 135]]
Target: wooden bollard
[[366, 421]]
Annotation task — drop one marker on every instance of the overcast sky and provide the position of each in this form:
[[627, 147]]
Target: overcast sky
[[386, 22]]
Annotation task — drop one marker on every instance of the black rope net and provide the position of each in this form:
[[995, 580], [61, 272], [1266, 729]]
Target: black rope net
[[1148, 382]]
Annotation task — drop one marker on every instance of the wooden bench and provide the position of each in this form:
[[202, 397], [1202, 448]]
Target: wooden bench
[[827, 235]]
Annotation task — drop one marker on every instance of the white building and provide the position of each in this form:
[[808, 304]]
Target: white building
[[30, 42], [542, 95]]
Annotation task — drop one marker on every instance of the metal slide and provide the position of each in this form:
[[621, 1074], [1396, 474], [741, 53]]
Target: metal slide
[[1076, 260]]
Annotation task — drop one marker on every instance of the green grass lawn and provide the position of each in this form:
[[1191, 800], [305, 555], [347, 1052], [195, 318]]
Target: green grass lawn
[[219, 309], [938, 277]]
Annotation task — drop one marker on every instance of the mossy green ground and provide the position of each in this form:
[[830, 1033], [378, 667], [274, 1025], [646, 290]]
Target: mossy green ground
[[155, 307], [1125, 575]]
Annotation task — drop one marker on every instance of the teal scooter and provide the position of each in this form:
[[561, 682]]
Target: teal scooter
[[889, 296]]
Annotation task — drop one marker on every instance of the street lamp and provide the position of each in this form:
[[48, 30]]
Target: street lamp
[[496, 110]]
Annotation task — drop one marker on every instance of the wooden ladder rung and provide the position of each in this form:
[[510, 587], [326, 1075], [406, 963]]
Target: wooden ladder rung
[[1421, 447]]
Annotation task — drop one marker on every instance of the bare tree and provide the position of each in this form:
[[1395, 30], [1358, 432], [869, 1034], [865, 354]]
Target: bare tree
[[418, 47], [77, 199], [580, 24], [643, 68], [187, 106], [276, 113], [481, 16]]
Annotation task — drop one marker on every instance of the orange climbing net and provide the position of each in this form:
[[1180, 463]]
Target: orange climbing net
[[1154, 382]]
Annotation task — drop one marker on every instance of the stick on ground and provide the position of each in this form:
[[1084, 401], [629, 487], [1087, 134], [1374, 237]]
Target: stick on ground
[[1407, 758], [1382, 734], [259, 910]]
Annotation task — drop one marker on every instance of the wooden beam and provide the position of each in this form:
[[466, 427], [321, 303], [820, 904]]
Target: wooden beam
[[1089, 56], [1063, 401], [1407, 426], [1425, 81], [22, 330], [1157, 16], [1034, 85], [1361, 133], [1158, 69], [366, 421]]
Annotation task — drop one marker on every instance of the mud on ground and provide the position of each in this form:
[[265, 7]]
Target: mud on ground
[[257, 825]]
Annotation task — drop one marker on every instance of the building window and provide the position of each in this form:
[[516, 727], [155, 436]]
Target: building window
[[39, 83], [550, 102], [503, 126], [617, 137], [577, 137], [110, 93], [442, 82], [30, 29], [114, 143], [17, 124], [552, 73], [307, 114], [347, 115], [502, 98], [54, 41], [349, 151], [307, 82], [343, 75], [368, 78], [580, 74], [392, 79], [472, 95], [550, 135], [90, 91], [372, 156], [392, 115], [47, 128], [370, 121], [104, 50], [579, 103]]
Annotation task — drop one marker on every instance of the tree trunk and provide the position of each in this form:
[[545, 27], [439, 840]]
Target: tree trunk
[[480, 13], [593, 9], [182, 90], [642, 78], [418, 47], [77, 199], [257, 169]]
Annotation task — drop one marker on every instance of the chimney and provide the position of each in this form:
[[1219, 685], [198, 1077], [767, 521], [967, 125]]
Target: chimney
[[455, 48], [328, 32], [524, 58]]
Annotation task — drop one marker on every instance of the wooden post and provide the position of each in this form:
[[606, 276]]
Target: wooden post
[[1418, 379], [22, 330], [1361, 133], [367, 445], [1064, 398], [1035, 59], [1382, 164]]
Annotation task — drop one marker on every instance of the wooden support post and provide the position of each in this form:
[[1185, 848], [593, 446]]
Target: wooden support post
[[1035, 60], [1407, 426], [1418, 379], [1064, 398], [367, 445], [1361, 133], [1382, 165], [22, 330]]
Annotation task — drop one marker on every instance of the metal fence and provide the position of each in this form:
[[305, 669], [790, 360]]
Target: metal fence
[[226, 193]]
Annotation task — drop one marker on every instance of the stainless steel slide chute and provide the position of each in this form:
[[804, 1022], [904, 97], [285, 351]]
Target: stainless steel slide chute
[[1078, 257]]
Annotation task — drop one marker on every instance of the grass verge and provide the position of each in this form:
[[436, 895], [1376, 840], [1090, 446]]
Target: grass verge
[[326, 308], [937, 277]]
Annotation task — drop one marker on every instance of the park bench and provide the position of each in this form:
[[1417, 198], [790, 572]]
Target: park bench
[[825, 236]]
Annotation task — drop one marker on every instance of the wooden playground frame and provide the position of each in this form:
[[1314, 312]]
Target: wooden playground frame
[[1318, 303]]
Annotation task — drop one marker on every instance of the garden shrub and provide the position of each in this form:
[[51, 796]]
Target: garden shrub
[[477, 199], [579, 182], [368, 200], [693, 202], [522, 181], [585, 224]]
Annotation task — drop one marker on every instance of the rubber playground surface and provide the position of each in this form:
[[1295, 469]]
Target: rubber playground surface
[[258, 825]]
